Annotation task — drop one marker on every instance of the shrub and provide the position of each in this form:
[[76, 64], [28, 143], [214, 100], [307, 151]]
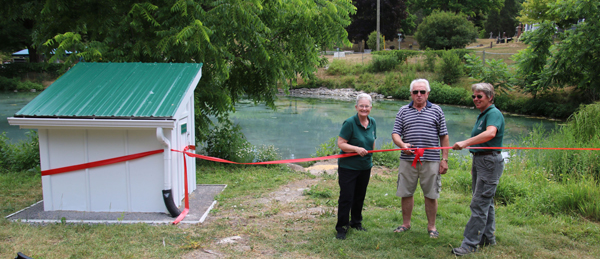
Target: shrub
[[445, 30], [452, 68], [317, 82], [23, 155], [372, 41], [549, 105], [445, 94], [266, 153], [401, 55], [28, 85], [341, 67], [391, 84], [430, 58], [19, 70], [585, 124], [328, 148], [381, 63], [366, 82], [482, 34], [347, 81], [227, 141], [562, 165], [8, 84], [387, 159], [494, 72]]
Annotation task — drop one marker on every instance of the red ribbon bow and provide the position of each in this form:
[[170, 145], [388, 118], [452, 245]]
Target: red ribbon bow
[[418, 154]]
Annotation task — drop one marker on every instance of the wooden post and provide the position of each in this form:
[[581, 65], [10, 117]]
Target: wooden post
[[483, 57], [377, 25]]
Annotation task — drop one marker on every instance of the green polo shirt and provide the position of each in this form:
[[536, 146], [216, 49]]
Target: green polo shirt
[[490, 117], [357, 135]]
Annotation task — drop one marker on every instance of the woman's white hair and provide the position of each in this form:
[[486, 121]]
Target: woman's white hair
[[364, 96]]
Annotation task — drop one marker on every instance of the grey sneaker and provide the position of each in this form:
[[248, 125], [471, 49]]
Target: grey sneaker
[[460, 251]]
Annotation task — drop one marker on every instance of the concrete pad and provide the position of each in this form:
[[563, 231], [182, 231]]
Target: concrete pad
[[201, 202]]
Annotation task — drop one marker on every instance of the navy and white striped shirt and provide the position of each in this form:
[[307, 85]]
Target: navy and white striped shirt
[[421, 129]]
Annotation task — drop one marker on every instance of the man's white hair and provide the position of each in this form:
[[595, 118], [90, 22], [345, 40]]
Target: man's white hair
[[420, 80]]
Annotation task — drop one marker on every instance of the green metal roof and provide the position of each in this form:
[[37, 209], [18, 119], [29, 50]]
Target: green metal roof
[[115, 90]]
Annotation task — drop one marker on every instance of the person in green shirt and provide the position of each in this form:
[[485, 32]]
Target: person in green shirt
[[488, 165], [357, 135]]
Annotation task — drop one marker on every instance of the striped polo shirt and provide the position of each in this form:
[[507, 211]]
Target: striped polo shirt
[[421, 129]]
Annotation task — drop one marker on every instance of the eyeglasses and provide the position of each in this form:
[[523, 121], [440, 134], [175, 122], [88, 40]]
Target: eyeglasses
[[479, 96], [416, 92], [364, 106]]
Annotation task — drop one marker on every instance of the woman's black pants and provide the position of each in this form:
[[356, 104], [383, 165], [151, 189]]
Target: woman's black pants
[[353, 188]]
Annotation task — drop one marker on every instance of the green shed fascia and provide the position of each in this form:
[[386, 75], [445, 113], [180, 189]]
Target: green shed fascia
[[116, 90]]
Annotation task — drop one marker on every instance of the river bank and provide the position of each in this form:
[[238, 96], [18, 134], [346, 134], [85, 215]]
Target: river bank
[[349, 94], [341, 94]]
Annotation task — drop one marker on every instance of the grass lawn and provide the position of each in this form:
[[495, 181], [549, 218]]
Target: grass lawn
[[277, 212]]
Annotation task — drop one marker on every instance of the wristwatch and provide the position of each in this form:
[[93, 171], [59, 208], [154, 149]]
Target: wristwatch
[[445, 159]]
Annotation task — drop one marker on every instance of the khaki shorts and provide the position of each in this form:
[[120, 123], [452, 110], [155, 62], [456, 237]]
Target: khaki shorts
[[428, 173]]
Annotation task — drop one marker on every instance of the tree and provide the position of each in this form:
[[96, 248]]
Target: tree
[[365, 19], [532, 61], [470, 8], [18, 25], [249, 48], [536, 11], [445, 30], [574, 58], [504, 20]]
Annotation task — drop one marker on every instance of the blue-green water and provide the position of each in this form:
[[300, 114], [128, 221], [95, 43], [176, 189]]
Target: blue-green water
[[11, 103], [299, 125]]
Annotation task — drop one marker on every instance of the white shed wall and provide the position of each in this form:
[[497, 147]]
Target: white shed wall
[[134, 185], [185, 116]]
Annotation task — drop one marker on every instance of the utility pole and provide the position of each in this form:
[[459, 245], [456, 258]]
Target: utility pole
[[378, 25]]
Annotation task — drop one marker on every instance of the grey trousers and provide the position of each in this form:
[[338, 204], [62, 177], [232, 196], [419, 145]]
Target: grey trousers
[[486, 173]]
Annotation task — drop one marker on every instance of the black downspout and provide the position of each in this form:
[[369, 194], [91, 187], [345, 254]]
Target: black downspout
[[170, 204]]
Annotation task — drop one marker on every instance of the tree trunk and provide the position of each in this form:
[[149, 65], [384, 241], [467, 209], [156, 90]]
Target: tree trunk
[[34, 57]]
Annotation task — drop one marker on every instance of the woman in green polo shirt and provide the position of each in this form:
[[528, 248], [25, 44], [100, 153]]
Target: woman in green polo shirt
[[357, 135], [487, 168]]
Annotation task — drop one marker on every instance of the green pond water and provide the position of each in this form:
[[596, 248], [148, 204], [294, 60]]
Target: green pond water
[[298, 124], [11, 103]]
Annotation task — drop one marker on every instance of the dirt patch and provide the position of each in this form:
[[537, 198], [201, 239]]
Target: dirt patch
[[47, 83], [330, 167], [323, 167], [244, 223], [288, 193]]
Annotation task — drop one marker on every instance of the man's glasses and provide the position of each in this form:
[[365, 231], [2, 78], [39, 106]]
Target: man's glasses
[[477, 96], [364, 106], [422, 92]]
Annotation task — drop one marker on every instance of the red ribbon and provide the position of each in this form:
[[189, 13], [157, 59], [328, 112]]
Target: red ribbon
[[99, 163], [185, 184], [418, 154]]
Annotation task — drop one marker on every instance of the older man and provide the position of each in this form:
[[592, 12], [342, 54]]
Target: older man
[[420, 124]]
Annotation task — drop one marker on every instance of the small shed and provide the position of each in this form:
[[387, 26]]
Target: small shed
[[20, 56], [99, 111]]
